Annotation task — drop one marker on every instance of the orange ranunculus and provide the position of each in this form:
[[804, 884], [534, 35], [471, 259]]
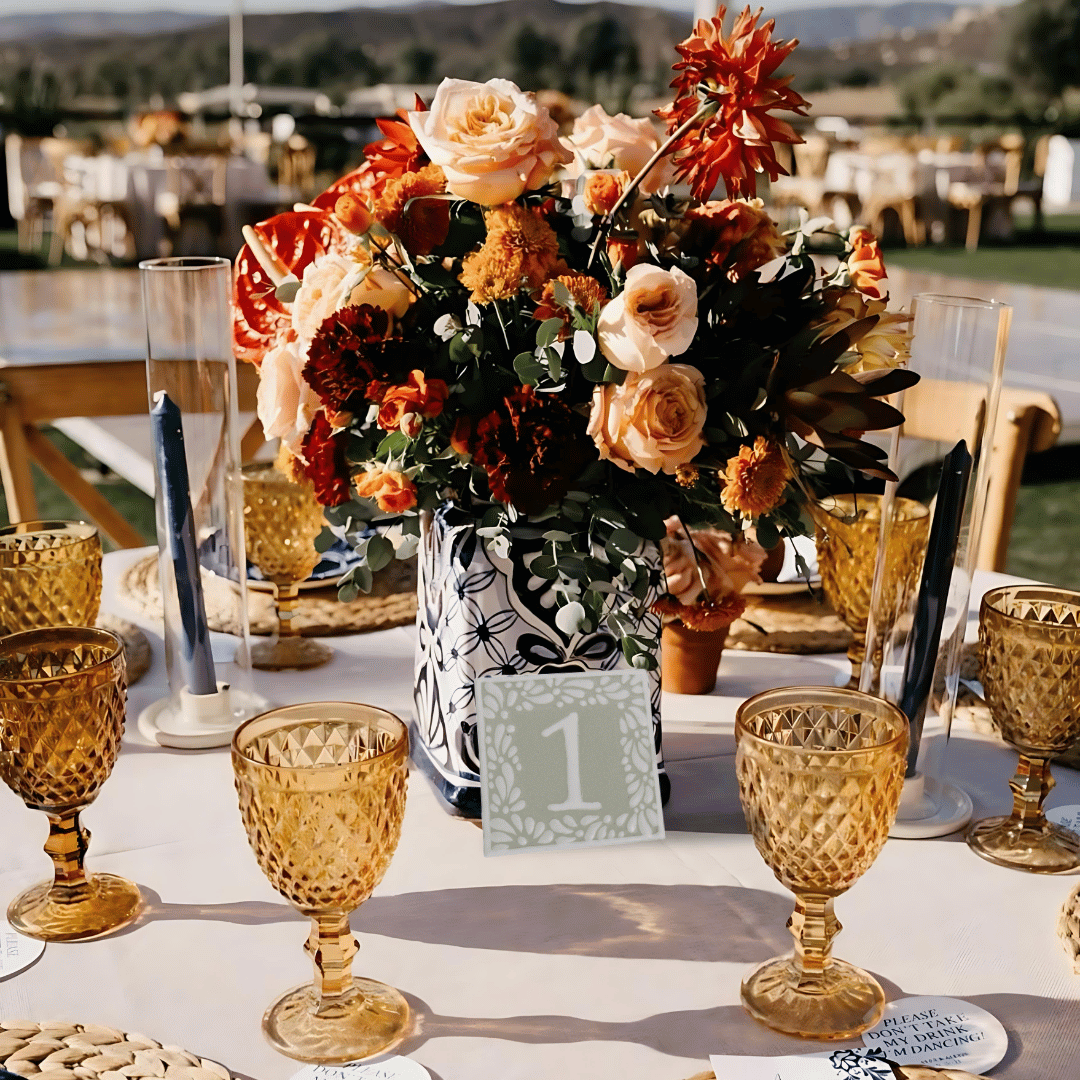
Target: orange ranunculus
[[353, 214], [393, 491], [623, 253], [603, 190], [716, 229], [419, 395], [866, 264]]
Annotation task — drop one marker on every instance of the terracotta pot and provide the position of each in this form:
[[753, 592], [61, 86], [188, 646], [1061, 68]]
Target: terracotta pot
[[689, 658]]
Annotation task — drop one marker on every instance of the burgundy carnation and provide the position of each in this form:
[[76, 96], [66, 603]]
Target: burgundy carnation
[[532, 447], [326, 468], [346, 356]]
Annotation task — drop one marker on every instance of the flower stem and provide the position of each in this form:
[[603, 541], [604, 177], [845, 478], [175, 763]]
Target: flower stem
[[605, 225]]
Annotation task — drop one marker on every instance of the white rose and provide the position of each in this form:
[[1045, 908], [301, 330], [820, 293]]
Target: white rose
[[286, 404], [329, 283], [492, 140], [654, 317], [599, 141]]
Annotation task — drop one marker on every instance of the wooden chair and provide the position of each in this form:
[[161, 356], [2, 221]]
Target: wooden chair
[[1027, 421], [32, 395]]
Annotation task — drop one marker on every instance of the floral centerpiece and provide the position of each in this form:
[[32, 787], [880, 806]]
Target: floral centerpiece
[[533, 351]]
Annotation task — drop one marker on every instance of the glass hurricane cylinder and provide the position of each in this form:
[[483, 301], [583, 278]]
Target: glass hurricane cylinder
[[190, 358], [958, 349]]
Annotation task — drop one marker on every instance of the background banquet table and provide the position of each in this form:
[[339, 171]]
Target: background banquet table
[[620, 962]]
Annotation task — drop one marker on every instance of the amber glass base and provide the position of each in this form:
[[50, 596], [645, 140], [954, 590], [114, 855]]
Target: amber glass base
[[99, 906], [369, 1020], [290, 652], [1043, 848], [845, 1000]]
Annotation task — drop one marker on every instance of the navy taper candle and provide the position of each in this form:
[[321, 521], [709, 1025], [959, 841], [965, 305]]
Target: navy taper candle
[[196, 660]]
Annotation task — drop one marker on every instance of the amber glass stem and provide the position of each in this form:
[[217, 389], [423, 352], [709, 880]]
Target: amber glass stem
[[288, 598], [1030, 786], [66, 846], [813, 925], [332, 948]]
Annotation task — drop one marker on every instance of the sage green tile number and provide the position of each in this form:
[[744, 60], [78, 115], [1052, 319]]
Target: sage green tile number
[[566, 759]]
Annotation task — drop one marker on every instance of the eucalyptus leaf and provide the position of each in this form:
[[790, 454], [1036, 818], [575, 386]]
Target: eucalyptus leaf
[[380, 553], [324, 541], [584, 346], [548, 332]]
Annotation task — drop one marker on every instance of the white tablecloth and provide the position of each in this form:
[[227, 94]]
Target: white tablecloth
[[618, 963]]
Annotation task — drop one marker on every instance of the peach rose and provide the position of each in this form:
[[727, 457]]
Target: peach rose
[[653, 420], [492, 140], [329, 283], [393, 491], [286, 404], [727, 563], [866, 265], [654, 317], [599, 141]]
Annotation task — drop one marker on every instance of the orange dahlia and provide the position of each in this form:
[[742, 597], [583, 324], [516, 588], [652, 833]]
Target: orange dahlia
[[715, 229], [421, 224], [754, 479], [521, 251], [734, 75]]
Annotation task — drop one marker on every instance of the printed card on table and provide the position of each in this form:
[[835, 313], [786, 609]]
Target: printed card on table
[[567, 759], [834, 1065]]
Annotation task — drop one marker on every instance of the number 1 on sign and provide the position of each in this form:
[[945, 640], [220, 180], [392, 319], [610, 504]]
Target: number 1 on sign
[[568, 725]]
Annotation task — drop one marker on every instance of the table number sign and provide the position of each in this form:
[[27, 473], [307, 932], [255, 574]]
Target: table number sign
[[390, 1068], [566, 759]]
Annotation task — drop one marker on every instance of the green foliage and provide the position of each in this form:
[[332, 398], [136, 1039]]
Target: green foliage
[[1044, 47], [953, 90]]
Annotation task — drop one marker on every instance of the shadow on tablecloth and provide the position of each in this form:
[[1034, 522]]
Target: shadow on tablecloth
[[1042, 1032]]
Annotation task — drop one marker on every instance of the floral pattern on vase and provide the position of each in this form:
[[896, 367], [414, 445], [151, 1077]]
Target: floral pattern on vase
[[480, 614]]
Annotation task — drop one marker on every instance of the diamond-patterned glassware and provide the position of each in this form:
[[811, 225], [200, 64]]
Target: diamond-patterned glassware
[[50, 575], [820, 773], [846, 534], [281, 521], [62, 693], [322, 795], [1029, 646]]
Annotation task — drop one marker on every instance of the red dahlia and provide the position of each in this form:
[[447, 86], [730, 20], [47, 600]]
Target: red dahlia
[[347, 356], [326, 467], [532, 447], [735, 75]]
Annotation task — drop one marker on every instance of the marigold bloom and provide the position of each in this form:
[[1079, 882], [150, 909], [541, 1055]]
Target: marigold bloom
[[735, 74], [419, 396], [715, 229], [422, 225], [521, 251], [866, 264], [392, 491], [754, 479], [587, 293]]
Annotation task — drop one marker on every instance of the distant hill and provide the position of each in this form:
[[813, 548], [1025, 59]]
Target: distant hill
[[94, 24], [824, 25]]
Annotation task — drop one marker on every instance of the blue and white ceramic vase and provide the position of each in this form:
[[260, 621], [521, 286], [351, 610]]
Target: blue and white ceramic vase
[[480, 614]]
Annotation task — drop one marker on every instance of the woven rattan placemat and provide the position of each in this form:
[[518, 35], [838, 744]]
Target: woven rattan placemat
[[61, 1051], [137, 652], [801, 622], [391, 602]]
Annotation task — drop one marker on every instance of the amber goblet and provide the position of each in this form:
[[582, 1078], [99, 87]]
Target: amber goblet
[[1029, 652], [846, 534], [62, 696], [322, 795], [820, 774], [281, 521], [50, 575]]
